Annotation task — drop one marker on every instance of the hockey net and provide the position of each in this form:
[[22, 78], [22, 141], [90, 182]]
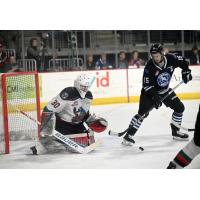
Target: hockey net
[[19, 93]]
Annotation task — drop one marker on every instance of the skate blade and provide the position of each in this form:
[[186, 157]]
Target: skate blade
[[127, 143], [180, 139]]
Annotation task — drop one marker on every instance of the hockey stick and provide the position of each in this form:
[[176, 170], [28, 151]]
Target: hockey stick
[[182, 127], [92, 81], [25, 114], [75, 146], [119, 134]]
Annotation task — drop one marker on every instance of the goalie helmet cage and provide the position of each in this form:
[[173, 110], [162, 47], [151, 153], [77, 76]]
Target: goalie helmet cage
[[19, 93]]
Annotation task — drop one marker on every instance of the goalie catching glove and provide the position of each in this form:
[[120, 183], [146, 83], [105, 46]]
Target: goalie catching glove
[[97, 124]]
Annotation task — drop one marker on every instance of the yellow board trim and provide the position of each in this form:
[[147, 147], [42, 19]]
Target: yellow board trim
[[189, 96], [21, 107], [103, 101], [133, 99]]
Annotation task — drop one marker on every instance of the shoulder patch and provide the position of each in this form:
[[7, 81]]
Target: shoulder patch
[[64, 95], [69, 93], [89, 95]]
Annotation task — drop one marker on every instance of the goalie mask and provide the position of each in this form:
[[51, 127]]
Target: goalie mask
[[82, 83], [98, 125]]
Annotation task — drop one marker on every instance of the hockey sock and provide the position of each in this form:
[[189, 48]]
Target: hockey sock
[[136, 122], [187, 154], [177, 117]]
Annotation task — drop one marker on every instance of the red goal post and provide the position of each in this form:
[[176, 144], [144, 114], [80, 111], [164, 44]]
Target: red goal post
[[20, 92]]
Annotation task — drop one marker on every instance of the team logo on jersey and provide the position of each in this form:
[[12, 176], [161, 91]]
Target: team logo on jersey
[[64, 95], [163, 79], [79, 114]]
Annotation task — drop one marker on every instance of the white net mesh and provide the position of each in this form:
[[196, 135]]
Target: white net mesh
[[21, 95]]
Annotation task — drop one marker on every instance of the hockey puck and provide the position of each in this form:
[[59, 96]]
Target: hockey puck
[[141, 148]]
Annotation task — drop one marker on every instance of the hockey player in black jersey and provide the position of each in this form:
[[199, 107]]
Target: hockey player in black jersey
[[156, 78], [185, 156], [69, 114]]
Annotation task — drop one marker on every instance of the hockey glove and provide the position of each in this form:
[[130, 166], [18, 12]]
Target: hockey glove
[[186, 76], [157, 101], [97, 124]]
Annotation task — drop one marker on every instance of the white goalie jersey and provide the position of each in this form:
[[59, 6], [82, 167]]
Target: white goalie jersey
[[69, 106]]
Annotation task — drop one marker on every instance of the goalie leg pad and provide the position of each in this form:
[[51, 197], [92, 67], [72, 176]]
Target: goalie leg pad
[[83, 139], [50, 145], [47, 123]]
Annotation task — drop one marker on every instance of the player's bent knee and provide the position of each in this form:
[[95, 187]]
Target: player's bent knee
[[180, 108]]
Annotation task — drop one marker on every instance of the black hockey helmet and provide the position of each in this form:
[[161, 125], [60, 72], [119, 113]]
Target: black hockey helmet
[[156, 48]]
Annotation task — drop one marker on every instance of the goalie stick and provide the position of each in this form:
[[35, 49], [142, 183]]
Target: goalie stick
[[119, 134], [75, 146]]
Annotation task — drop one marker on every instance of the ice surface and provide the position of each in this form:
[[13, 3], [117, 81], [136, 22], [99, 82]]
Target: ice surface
[[154, 135]]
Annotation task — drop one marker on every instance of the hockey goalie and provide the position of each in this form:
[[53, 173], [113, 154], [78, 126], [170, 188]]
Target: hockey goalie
[[69, 114]]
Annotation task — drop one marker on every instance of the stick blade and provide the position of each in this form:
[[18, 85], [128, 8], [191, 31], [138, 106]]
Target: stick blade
[[113, 133], [117, 134], [93, 146]]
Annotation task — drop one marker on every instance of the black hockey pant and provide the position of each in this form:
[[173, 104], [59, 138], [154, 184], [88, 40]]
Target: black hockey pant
[[69, 128], [172, 101]]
